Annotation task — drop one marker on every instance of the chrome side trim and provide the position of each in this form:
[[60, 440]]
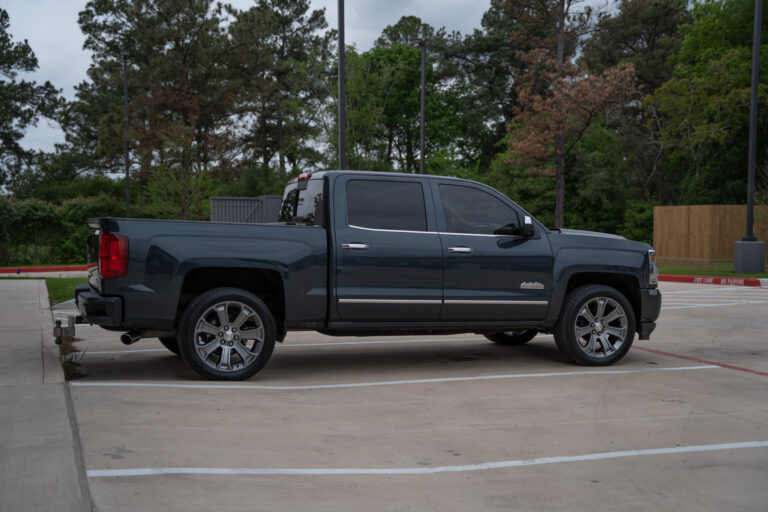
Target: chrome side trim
[[504, 302], [390, 301], [478, 234], [392, 230], [429, 232], [438, 301]]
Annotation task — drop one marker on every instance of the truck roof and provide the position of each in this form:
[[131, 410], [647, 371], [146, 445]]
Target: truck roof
[[321, 174]]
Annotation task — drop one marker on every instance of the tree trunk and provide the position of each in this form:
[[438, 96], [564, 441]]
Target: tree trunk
[[560, 182]]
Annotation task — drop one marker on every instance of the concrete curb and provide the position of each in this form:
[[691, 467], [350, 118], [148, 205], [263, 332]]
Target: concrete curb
[[55, 271], [53, 372], [58, 268], [730, 281]]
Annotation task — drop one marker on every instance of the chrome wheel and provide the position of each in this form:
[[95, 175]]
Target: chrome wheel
[[229, 336], [600, 327]]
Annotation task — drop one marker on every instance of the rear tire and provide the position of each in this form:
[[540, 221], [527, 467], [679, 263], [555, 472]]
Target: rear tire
[[171, 343], [512, 337], [596, 326], [227, 334]]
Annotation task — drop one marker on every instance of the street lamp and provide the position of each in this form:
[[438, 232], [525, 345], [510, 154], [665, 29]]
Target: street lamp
[[342, 93], [749, 254], [125, 136], [422, 43]]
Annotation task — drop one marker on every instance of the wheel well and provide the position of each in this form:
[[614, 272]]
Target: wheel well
[[627, 285], [265, 284]]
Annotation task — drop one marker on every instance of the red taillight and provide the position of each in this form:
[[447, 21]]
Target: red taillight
[[113, 255]]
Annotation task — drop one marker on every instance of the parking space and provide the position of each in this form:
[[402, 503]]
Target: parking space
[[441, 423]]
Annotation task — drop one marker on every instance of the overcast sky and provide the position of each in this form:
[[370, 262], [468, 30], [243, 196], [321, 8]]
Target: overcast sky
[[51, 28]]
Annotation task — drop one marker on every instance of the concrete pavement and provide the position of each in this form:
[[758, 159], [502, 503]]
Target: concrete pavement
[[38, 450], [443, 423]]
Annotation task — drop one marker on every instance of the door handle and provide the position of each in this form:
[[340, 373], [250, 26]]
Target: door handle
[[461, 249], [355, 246]]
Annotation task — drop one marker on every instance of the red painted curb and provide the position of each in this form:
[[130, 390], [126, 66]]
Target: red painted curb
[[731, 281], [25, 270]]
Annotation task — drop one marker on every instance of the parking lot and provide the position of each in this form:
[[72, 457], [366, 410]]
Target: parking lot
[[441, 423]]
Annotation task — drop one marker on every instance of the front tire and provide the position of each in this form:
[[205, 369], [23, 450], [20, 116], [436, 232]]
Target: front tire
[[227, 334], [512, 337], [596, 326]]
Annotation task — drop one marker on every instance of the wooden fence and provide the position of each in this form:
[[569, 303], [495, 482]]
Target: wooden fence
[[703, 233]]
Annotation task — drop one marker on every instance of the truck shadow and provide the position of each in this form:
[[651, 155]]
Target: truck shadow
[[306, 365]]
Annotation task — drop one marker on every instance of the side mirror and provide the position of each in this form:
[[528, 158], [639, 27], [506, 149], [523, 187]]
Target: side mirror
[[528, 228]]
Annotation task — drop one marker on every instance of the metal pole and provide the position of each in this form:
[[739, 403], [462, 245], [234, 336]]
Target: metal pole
[[753, 123], [423, 45], [125, 137], [342, 93]]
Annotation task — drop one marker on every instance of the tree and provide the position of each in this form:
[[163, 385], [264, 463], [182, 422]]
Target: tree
[[181, 87], [700, 115], [483, 67], [557, 101], [282, 50], [383, 102], [22, 102], [643, 32]]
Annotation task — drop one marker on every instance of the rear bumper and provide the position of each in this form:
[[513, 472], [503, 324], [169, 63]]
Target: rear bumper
[[95, 309], [650, 307]]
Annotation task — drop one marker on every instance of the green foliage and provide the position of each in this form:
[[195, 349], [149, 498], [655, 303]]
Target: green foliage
[[701, 115], [70, 242], [236, 102], [595, 182], [41, 187], [643, 32], [638, 221], [62, 289], [534, 192], [706, 269], [257, 181], [34, 231]]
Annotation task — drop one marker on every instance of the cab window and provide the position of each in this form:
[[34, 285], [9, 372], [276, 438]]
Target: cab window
[[474, 211], [393, 205]]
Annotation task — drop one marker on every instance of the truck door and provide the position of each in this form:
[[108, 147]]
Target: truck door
[[492, 272], [388, 254]]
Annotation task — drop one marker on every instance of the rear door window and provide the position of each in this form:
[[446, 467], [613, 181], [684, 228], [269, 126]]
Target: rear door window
[[391, 205]]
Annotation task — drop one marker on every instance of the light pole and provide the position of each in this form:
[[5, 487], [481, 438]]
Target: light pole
[[342, 93], [422, 43], [125, 137], [749, 254]]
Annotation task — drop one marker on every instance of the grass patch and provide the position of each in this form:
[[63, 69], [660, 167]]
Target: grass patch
[[71, 360], [705, 269], [61, 289]]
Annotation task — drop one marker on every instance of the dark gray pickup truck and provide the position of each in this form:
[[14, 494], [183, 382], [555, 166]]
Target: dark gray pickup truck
[[363, 253]]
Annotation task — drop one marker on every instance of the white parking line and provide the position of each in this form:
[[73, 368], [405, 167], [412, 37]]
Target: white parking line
[[715, 305], [100, 473], [379, 342], [384, 382]]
